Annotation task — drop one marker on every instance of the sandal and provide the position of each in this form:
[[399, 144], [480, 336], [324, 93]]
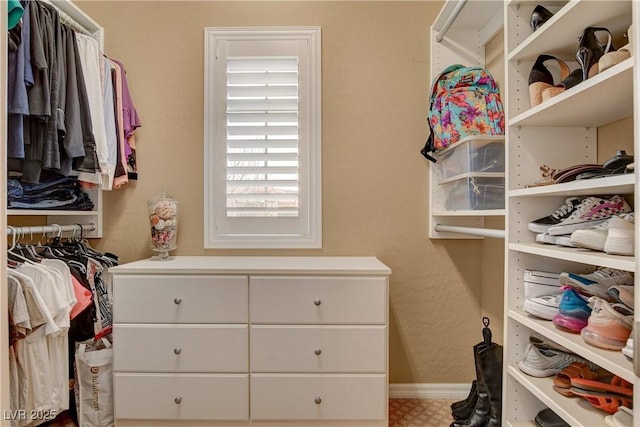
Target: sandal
[[541, 78], [608, 402], [616, 386], [607, 397], [562, 381]]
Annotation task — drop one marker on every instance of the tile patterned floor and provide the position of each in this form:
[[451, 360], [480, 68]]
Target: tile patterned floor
[[420, 412], [402, 413]]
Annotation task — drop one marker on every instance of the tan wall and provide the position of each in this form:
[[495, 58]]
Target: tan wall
[[375, 90]]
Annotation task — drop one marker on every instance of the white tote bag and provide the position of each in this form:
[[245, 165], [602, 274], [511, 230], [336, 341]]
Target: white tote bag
[[94, 379]]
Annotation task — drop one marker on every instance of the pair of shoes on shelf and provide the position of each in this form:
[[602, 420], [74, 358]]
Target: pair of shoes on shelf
[[608, 395], [593, 55], [578, 214], [542, 292], [621, 163], [561, 240], [540, 283], [562, 381], [548, 418], [616, 165], [614, 236], [544, 307], [573, 311], [610, 59], [609, 325], [546, 362], [599, 282]]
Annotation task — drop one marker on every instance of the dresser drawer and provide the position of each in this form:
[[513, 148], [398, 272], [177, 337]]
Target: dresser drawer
[[180, 299], [350, 349], [321, 397], [181, 348], [181, 397], [318, 299]]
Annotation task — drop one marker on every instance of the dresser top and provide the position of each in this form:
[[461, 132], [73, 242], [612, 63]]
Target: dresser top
[[254, 265]]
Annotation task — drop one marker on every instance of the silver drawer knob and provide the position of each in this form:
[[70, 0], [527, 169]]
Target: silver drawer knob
[[177, 350], [317, 400], [178, 400], [317, 352], [317, 301], [177, 300]]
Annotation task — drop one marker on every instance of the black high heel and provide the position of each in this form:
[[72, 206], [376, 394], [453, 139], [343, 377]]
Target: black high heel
[[590, 50], [539, 16]]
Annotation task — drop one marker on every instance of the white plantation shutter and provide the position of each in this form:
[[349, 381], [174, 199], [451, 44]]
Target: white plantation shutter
[[262, 138]]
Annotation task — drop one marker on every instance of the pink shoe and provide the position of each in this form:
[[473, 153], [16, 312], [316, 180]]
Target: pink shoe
[[609, 325]]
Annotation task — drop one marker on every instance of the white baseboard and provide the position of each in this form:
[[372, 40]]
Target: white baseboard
[[429, 391]]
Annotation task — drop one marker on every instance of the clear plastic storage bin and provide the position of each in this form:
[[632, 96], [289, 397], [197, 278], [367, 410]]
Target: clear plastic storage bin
[[474, 193], [472, 154]]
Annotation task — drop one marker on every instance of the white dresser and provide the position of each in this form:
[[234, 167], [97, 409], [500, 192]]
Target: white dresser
[[251, 341]]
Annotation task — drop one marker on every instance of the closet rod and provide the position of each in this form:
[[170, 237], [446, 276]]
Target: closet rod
[[75, 18], [483, 232], [452, 17], [53, 228]]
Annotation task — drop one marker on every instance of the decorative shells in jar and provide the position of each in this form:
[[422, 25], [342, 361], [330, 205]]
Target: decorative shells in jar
[[163, 219]]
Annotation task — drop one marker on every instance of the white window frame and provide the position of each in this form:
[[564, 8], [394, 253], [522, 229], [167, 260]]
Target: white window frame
[[305, 230]]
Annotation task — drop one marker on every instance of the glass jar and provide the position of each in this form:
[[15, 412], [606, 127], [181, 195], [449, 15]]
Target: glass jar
[[163, 219]]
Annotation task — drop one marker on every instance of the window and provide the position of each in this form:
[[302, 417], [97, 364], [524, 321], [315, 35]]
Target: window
[[262, 138]]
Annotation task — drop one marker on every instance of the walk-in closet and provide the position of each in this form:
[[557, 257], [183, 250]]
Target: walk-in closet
[[278, 214]]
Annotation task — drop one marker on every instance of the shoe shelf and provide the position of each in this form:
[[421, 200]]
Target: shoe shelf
[[559, 34], [615, 184], [560, 132], [575, 411], [583, 256], [613, 361], [578, 106]]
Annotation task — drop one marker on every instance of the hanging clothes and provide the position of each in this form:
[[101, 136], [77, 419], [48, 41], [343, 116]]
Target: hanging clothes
[[56, 132], [58, 297], [90, 57]]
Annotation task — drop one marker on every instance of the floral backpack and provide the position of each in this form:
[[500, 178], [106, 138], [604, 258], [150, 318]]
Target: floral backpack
[[464, 101]]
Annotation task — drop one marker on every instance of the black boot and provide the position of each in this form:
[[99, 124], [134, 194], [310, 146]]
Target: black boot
[[491, 368], [462, 409], [487, 411]]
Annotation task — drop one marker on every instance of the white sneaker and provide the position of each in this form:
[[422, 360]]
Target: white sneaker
[[539, 283], [546, 238], [544, 307], [598, 282], [543, 362], [565, 240], [595, 237], [620, 237], [591, 211]]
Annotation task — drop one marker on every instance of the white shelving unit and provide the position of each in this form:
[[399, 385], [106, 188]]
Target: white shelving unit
[[458, 36], [560, 132]]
